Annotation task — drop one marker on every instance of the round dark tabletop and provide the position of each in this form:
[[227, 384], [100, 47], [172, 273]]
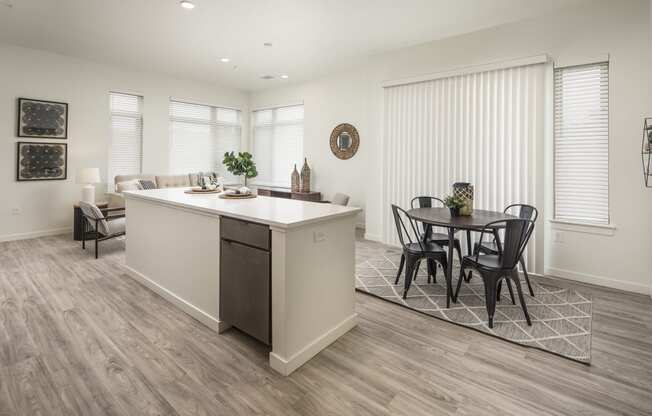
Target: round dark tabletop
[[441, 217]]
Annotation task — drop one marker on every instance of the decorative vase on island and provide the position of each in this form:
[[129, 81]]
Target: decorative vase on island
[[305, 176], [295, 180], [464, 191]]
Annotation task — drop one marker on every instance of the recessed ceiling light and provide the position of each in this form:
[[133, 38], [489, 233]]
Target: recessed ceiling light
[[186, 4], [268, 44], [284, 76], [267, 77], [225, 59]]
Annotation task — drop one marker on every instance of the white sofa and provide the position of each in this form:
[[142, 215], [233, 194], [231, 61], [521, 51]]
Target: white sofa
[[123, 182]]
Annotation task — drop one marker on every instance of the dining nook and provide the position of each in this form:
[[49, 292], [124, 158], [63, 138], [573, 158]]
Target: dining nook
[[467, 265]]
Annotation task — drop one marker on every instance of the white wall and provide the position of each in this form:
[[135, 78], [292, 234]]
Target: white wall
[[46, 206], [620, 29], [327, 103]]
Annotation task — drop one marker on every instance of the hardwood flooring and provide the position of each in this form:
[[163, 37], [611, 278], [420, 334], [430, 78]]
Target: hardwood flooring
[[79, 337]]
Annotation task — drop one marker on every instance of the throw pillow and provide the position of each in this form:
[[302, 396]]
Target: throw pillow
[[146, 184], [133, 185]]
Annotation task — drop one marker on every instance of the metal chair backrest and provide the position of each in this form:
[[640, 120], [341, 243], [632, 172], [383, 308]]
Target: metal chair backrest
[[526, 212], [405, 235], [517, 233], [425, 202]]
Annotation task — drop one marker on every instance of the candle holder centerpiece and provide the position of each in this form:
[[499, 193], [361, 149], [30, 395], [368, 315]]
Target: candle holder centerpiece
[[464, 192]]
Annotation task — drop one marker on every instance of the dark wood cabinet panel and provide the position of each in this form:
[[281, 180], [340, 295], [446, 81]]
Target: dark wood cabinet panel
[[245, 289], [245, 232], [307, 196], [245, 277], [287, 194]]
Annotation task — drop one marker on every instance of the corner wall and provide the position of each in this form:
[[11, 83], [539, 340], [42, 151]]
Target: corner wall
[[46, 206], [620, 29]]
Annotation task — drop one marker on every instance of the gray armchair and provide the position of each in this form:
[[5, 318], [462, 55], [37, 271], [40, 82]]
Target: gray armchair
[[340, 199], [106, 223]]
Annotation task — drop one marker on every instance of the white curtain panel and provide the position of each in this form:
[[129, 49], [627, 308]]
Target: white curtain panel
[[483, 128]]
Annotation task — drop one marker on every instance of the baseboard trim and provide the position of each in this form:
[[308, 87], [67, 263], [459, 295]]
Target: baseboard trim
[[35, 234], [192, 310], [287, 366], [600, 281], [372, 237]]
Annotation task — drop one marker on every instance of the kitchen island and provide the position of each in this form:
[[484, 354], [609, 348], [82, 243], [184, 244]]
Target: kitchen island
[[280, 270]]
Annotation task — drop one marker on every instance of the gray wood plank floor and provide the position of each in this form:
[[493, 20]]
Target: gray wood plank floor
[[78, 337]]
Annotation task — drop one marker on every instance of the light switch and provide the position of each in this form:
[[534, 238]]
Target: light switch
[[557, 237], [319, 236]]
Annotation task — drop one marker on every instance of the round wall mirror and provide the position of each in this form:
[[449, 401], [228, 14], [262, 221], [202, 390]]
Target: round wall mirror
[[344, 141]]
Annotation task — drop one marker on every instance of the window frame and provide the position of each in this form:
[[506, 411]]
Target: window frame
[[274, 123], [589, 227], [214, 124], [141, 97]]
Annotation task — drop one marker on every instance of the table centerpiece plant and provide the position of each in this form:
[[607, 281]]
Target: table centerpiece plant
[[454, 204]]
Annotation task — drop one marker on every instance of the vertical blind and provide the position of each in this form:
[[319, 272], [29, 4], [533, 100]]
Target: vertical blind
[[582, 143], [277, 143], [200, 135], [126, 150], [480, 128]]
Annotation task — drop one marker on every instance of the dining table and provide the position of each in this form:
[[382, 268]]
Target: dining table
[[477, 221]]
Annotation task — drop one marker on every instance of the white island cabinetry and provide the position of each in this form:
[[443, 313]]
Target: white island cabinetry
[[173, 247]]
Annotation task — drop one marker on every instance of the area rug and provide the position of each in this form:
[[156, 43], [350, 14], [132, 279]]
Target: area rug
[[561, 318]]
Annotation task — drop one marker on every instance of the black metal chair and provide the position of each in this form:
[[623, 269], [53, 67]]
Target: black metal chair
[[427, 234], [103, 225], [415, 250], [527, 212], [493, 268]]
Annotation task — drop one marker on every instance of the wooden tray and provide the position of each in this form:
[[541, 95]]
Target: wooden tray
[[202, 191], [227, 196]]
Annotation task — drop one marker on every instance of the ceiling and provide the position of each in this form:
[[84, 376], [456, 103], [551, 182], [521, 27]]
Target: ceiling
[[310, 37]]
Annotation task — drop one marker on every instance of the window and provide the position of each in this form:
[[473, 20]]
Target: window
[[201, 134], [582, 143], [480, 127], [277, 143], [126, 151]]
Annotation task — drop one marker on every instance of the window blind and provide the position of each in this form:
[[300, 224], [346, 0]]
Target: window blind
[[582, 143], [126, 150], [201, 134], [483, 128], [277, 143]]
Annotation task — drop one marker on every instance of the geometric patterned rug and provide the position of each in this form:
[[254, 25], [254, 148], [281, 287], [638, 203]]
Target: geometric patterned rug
[[561, 318]]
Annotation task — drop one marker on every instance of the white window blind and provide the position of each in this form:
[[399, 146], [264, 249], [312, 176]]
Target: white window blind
[[277, 143], [483, 128], [126, 150], [201, 134], [582, 143]]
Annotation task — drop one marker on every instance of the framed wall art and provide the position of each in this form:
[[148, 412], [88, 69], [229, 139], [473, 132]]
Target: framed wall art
[[41, 161], [42, 119]]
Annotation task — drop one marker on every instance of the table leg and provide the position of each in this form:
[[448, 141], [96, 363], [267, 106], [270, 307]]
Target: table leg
[[468, 243], [449, 269]]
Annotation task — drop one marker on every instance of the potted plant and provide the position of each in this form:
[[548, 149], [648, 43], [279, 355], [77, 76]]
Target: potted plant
[[454, 204], [240, 165]]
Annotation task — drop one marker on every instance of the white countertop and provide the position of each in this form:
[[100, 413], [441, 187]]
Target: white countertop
[[276, 212]]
